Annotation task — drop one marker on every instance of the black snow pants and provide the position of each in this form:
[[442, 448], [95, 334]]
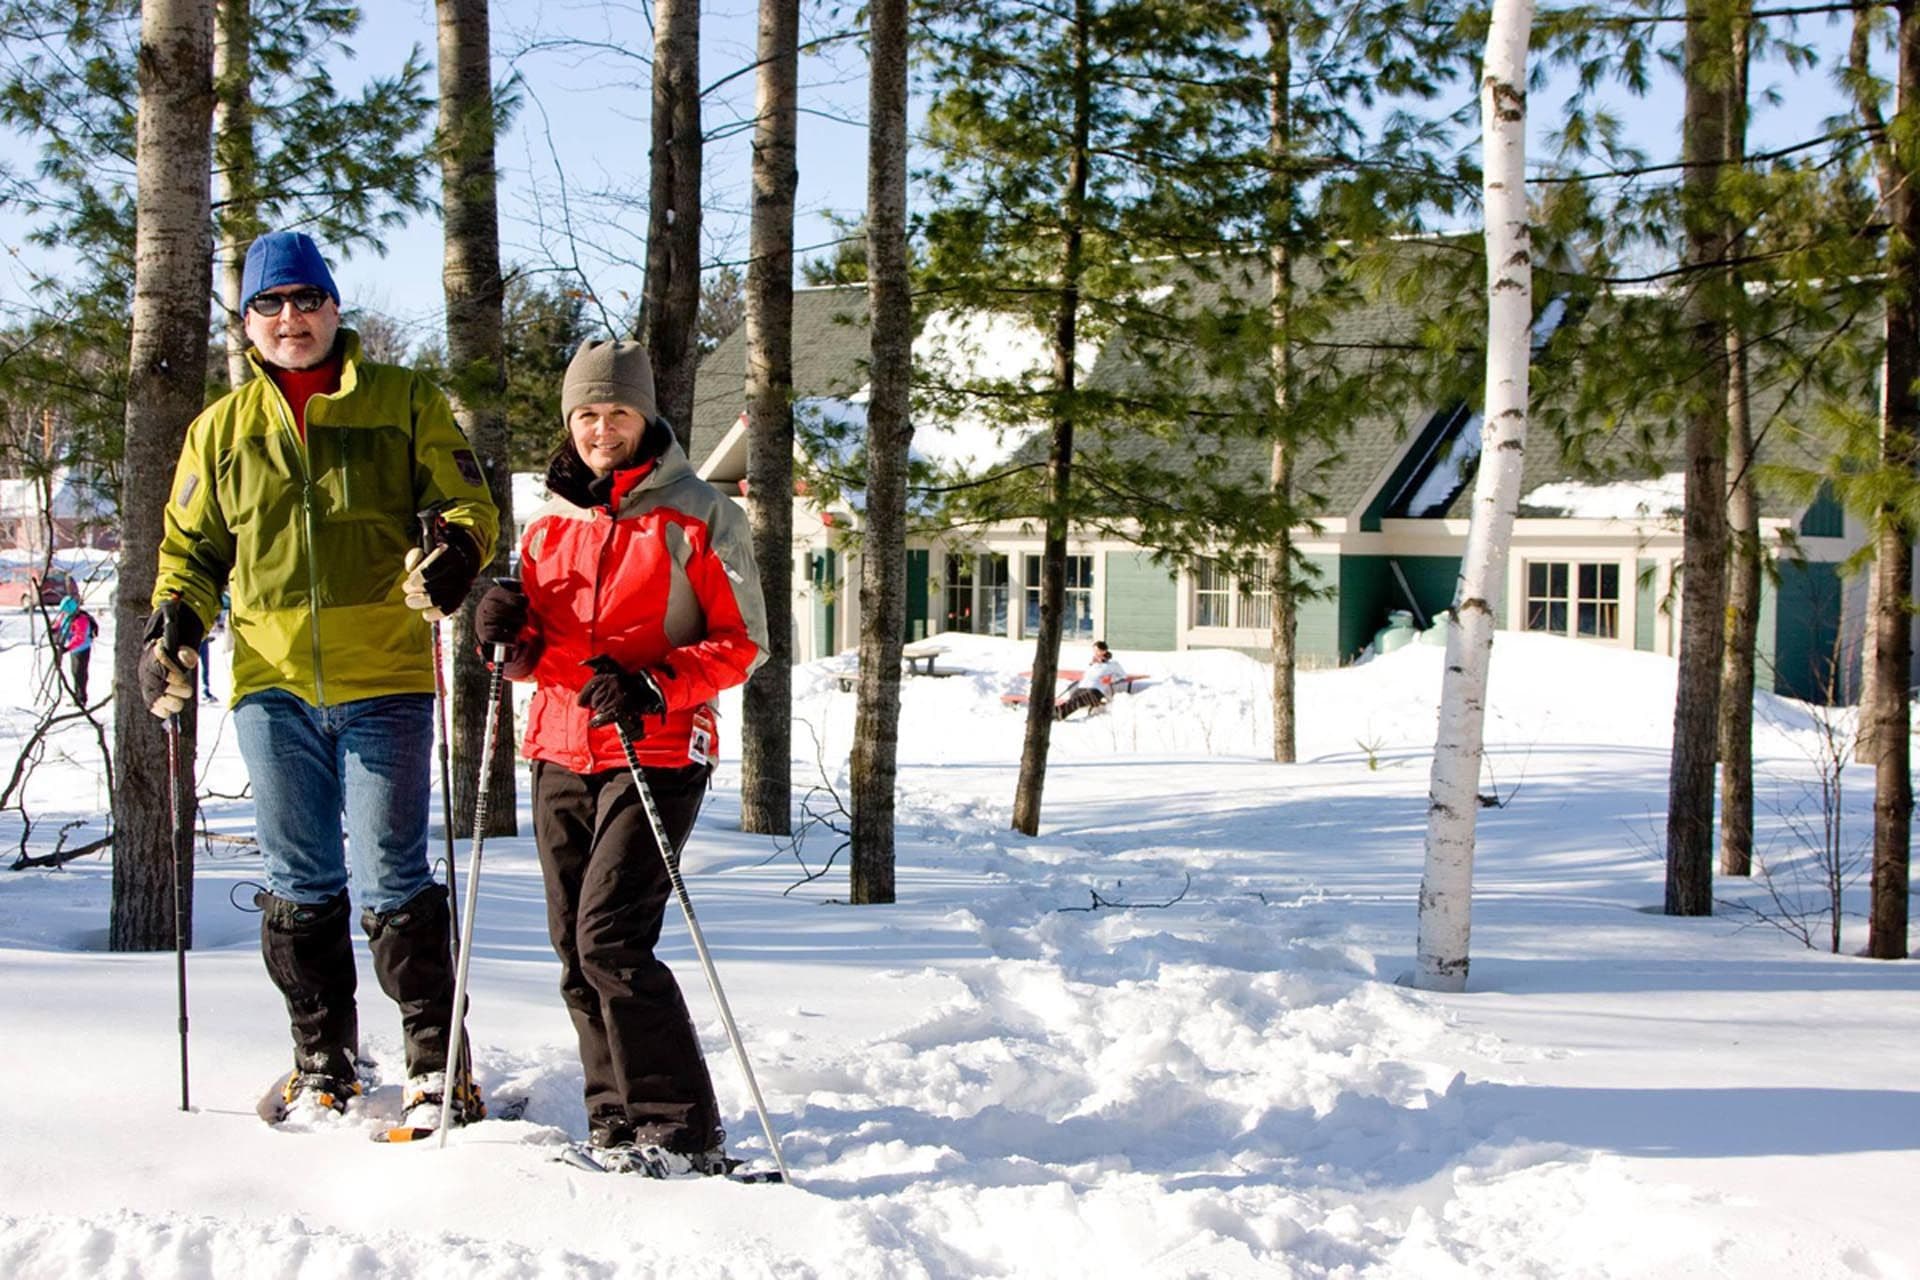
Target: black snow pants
[[607, 892]]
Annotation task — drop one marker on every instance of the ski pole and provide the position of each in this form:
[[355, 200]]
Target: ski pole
[[482, 796], [179, 906], [671, 856], [446, 775]]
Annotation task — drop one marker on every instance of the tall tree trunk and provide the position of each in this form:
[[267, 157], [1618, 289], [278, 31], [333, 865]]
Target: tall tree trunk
[[476, 358], [883, 556], [1868, 731], [166, 386], [1743, 519], [1053, 562], [1453, 805], [671, 292], [236, 170], [766, 754], [1900, 452], [1703, 601], [1285, 619]]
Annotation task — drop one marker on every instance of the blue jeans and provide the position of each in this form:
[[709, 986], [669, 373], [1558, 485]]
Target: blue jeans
[[368, 759]]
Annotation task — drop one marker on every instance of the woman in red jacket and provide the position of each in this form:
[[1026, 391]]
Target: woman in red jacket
[[636, 559]]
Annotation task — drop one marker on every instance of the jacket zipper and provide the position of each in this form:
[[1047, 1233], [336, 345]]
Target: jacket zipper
[[306, 512]]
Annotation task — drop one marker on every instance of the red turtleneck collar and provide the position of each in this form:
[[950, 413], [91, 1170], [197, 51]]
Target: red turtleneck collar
[[301, 385], [626, 480]]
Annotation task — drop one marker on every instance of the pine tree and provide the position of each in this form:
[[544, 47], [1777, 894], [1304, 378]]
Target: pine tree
[[173, 267], [670, 306], [1743, 515], [766, 763], [883, 568], [1895, 526], [476, 364], [1074, 144], [1703, 150]]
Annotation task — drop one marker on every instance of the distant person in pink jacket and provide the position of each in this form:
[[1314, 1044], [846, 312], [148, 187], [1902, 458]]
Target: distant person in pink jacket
[[75, 638]]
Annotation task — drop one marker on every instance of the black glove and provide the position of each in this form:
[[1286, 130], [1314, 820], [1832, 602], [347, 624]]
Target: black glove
[[501, 615], [440, 574], [617, 695], [172, 641]]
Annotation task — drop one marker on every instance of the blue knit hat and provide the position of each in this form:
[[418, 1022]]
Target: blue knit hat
[[281, 258]]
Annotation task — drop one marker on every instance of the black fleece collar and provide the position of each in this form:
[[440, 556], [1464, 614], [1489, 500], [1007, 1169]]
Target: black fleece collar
[[570, 478]]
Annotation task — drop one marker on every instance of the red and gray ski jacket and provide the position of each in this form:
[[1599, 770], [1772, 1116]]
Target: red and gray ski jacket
[[651, 567]]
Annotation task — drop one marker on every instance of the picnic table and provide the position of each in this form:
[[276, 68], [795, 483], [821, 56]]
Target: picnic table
[[914, 654], [1070, 676], [915, 659]]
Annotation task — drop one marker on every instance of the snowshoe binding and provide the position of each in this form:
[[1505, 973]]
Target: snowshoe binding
[[308, 1096], [423, 1101]]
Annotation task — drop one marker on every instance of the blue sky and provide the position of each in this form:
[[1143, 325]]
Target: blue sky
[[581, 65]]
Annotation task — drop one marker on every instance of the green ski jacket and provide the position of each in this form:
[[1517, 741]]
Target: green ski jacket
[[309, 537]]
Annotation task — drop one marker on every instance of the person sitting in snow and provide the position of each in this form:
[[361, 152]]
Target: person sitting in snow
[[1095, 685], [639, 604], [298, 492]]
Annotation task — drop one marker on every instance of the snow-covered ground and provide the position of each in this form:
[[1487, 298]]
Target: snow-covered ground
[[989, 1079]]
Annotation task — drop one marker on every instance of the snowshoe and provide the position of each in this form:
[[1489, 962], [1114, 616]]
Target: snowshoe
[[650, 1161], [423, 1098], [313, 1095]]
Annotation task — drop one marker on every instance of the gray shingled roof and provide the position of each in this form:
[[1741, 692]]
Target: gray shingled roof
[[1334, 474], [1648, 441], [829, 359], [831, 351]]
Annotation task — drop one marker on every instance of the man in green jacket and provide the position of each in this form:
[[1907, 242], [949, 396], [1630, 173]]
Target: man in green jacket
[[298, 494]]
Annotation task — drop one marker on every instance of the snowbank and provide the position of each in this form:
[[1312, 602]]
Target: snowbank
[[1162, 1039]]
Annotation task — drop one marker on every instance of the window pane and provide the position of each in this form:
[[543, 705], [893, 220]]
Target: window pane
[[1589, 581], [1609, 582], [1589, 618], [1536, 579], [1536, 615], [1558, 575], [1557, 617]]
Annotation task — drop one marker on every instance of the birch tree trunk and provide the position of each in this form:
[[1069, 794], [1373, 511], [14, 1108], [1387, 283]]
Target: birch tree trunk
[[1892, 620], [671, 292], [1031, 785], [476, 358], [1703, 598], [235, 172], [766, 751], [883, 558], [1285, 620], [166, 386], [1446, 887], [1743, 519]]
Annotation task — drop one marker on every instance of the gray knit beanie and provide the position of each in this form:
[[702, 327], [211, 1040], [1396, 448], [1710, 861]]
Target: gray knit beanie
[[605, 371]]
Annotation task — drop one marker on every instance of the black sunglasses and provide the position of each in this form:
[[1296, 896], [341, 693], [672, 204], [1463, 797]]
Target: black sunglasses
[[305, 301]]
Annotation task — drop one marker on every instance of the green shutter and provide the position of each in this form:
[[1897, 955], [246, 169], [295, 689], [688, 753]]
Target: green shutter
[[1646, 596], [1806, 623], [917, 573], [1766, 639], [1316, 636], [1142, 602], [825, 590]]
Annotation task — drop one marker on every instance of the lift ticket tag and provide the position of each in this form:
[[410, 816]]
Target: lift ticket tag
[[700, 740]]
